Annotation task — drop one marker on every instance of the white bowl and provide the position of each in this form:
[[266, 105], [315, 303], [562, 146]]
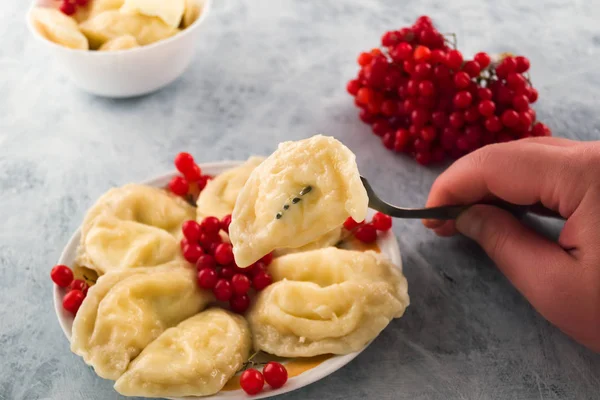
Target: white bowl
[[128, 73], [387, 244]]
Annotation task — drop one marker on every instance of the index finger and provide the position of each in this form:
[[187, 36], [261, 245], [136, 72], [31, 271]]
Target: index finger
[[522, 173]]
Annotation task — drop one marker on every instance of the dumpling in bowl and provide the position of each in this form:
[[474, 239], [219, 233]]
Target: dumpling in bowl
[[304, 190], [112, 24], [193, 10], [95, 7], [126, 310], [132, 226], [195, 358], [218, 198], [327, 301], [58, 28], [124, 42]]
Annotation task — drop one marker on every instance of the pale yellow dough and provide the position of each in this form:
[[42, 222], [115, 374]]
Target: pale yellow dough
[[322, 163], [327, 301], [329, 239], [132, 226], [124, 42], [113, 23], [195, 358], [169, 11], [193, 10], [58, 28], [219, 196], [126, 310]]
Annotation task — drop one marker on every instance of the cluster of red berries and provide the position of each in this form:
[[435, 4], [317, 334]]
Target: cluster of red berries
[[76, 288], [422, 98], [366, 232], [192, 175], [203, 246], [253, 381], [69, 7]]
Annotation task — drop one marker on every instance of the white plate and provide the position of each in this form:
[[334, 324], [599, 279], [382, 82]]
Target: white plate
[[387, 243]]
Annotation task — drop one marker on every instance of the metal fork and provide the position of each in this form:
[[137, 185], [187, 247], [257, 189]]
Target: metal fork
[[445, 212]]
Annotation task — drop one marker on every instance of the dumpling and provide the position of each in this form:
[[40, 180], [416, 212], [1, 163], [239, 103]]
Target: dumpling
[[124, 42], [112, 24], [193, 10], [132, 226], [302, 191], [95, 7], [327, 240], [219, 196], [328, 301], [170, 12], [126, 310], [58, 28], [114, 244], [196, 358]]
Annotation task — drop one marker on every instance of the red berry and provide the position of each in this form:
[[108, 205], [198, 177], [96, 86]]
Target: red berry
[[516, 81], [506, 66], [400, 143], [239, 303], [255, 269], [380, 127], [61, 275], [484, 94], [79, 284], [426, 88], [423, 158], [206, 261], [438, 56], [184, 242], [194, 174], [261, 280], [441, 72], [493, 124], [275, 374], [421, 145], [184, 162], [350, 224], [207, 240], [419, 117], [471, 114], [520, 102], [191, 230], [461, 80], [364, 59], [389, 108], [223, 290], [67, 8], [454, 59], [439, 119], [225, 222], [252, 381], [240, 283], [472, 68], [486, 108], [268, 259], [462, 99], [428, 133], [210, 225], [388, 140], [179, 185], [192, 252], [382, 222], [483, 59], [364, 95], [227, 272], [424, 20], [409, 66], [366, 233], [224, 254], [402, 51], [353, 86], [422, 53], [201, 183], [366, 117], [525, 120], [510, 118], [207, 278], [457, 119], [72, 301], [522, 64], [423, 70], [540, 129], [532, 94], [389, 39]]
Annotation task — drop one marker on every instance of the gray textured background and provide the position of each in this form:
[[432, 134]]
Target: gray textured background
[[273, 70]]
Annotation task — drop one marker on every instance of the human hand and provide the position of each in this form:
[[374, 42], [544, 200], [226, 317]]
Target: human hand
[[560, 279]]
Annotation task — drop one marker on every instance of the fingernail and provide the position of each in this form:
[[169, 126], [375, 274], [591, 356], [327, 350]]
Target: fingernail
[[470, 223]]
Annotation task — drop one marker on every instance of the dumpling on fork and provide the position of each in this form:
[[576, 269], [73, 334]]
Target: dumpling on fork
[[303, 191], [195, 358]]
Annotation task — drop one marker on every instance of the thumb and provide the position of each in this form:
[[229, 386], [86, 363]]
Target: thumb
[[536, 266]]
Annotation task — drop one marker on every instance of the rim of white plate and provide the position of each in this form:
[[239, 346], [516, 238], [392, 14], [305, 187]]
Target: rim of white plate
[[387, 242]]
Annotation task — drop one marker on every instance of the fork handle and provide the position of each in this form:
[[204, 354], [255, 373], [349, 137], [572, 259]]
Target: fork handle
[[452, 212]]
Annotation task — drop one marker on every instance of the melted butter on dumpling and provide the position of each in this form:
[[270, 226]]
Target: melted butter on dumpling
[[304, 190], [132, 226], [111, 24], [126, 310], [218, 198], [328, 301], [195, 358], [58, 28]]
